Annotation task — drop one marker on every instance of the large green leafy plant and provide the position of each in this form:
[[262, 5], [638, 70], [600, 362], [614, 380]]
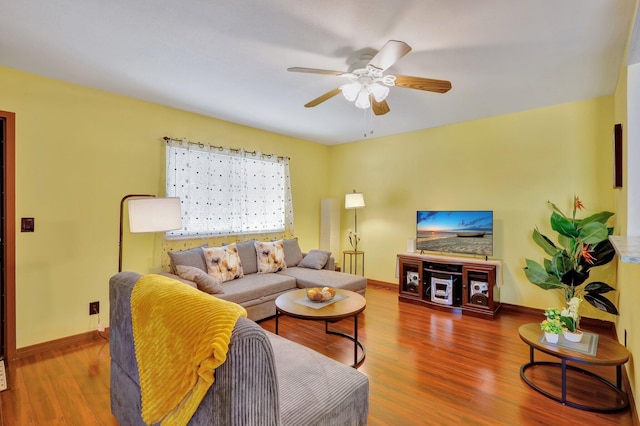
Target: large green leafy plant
[[582, 244]]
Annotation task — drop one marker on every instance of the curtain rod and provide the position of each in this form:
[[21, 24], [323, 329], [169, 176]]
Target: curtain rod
[[220, 148]]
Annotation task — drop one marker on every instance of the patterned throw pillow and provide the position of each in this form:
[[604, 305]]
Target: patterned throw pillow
[[270, 256], [223, 263]]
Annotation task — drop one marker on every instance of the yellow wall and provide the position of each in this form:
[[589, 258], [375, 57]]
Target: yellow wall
[[628, 322], [78, 152], [511, 164]]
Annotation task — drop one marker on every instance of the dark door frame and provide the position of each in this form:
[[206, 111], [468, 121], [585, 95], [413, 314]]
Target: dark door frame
[[9, 224]]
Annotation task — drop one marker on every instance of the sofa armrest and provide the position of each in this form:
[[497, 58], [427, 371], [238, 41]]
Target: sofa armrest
[[331, 264], [246, 379]]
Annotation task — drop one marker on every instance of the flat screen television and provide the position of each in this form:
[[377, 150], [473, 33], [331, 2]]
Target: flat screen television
[[455, 231]]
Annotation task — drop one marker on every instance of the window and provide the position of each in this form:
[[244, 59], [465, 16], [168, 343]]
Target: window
[[225, 191]]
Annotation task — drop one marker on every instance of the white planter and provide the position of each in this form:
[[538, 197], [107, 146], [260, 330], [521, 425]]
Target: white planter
[[551, 337], [573, 336]]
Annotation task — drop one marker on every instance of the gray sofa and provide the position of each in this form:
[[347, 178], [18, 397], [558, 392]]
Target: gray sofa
[[266, 379], [256, 292]]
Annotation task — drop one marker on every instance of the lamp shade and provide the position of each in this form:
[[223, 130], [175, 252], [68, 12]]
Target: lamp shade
[[355, 200], [154, 214]]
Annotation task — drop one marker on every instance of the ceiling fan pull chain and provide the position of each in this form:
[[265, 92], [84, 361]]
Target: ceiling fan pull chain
[[368, 121], [371, 121]]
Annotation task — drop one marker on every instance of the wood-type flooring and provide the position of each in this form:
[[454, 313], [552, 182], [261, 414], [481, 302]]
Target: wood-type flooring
[[425, 367]]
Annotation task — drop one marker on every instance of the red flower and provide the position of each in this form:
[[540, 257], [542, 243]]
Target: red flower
[[577, 204], [586, 254]]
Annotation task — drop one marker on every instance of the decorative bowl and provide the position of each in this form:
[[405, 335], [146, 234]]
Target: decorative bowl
[[324, 294]]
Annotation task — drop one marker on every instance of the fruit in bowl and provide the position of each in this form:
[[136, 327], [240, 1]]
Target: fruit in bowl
[[320, 294]]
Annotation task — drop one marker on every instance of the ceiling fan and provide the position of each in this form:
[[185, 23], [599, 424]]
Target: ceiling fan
[[367, 85]]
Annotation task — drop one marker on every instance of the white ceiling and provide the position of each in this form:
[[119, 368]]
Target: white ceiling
[[229, 59]]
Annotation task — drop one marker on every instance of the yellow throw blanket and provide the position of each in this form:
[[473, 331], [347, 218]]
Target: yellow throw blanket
[[181, 336]]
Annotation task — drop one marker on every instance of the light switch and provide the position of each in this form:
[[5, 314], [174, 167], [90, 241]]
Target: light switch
[[28, 224]]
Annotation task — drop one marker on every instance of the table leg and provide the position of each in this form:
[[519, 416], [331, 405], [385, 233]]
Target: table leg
[[563, 397], [564, 380], [619, 376], [277, 316], [355, 340], [357, 361]]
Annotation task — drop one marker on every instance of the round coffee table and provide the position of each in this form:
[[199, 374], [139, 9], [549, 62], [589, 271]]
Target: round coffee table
[[350, 305], [609, 353]]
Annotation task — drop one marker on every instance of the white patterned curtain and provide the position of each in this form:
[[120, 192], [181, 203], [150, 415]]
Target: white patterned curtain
[[227, 191]]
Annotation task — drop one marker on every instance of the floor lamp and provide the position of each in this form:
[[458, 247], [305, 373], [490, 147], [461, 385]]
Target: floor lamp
[[147, 213], [354, 201]]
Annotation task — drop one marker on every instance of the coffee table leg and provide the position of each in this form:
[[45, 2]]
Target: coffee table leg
[[356, 344], [355, 339], [277, 316]]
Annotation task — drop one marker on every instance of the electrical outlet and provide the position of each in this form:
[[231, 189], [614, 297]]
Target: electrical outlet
[[94, 308]]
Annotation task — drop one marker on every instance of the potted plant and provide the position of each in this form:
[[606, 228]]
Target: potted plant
[[570, 319], [582, 244], [551, 326]]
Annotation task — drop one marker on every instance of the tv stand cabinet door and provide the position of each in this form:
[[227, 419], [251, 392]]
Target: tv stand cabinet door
[[478, 289], [410, 276]]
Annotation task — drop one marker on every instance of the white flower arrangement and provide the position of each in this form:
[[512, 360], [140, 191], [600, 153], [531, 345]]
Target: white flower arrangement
[[570, 315]]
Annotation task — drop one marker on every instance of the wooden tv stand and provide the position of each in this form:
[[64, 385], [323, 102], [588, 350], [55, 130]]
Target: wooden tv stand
[[448, 283]]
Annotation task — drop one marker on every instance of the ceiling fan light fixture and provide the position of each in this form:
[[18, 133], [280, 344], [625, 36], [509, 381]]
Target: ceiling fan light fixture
[[350, 91], [367, 81], [379, 91], [363, 99]]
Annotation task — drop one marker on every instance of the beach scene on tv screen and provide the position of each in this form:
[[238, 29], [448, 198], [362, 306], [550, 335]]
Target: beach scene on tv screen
[[466, 232]]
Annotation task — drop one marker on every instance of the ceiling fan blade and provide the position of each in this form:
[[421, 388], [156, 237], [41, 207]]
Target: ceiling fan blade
[[428, 84], [314, 71], [389, 54], [330, 94], [379, 108]]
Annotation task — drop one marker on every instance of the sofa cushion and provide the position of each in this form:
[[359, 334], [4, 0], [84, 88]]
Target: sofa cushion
[[292, 252], [315, 259], [314, 390], [270, 256], [247, 253], [192, 257], [256, 287], [306, 278], [204, 281], [223, 263]]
